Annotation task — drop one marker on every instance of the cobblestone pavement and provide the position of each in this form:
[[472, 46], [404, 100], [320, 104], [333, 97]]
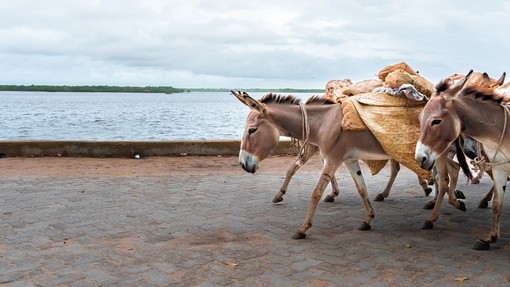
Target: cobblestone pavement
[[208, 228]]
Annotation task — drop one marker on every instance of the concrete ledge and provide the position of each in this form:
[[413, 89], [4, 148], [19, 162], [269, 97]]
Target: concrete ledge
[[126, 148]]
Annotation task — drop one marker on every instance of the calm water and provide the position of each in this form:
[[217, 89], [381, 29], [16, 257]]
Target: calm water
[[122, 116]]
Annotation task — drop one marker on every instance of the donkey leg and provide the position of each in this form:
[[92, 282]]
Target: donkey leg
[[453, 169], [328, 171], [335, 190], [310, 150], [500, 181], [476, 179], [484, 202], [425, 186], [442, 187], [395, 168], [356, 174], [431, 203]]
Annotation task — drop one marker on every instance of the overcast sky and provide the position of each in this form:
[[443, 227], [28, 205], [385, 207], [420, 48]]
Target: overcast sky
[[246, 44]]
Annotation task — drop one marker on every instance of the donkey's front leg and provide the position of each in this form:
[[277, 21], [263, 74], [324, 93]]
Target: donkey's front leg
[[328, 171], [453, 169], [500, 181], [356, 174], [310, 151], [441, 180]]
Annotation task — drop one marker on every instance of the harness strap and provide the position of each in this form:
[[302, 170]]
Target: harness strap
[[305, 126]]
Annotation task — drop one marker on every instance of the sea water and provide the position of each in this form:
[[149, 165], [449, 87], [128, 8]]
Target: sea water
[[123, 116]]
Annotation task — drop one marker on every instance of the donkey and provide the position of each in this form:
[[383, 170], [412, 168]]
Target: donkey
[[454, 110], [319, 122], [469, 147]]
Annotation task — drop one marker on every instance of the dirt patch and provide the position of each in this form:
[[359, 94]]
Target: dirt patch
[[150, 166]]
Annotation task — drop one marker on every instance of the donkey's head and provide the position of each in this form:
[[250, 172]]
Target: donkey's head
[[440, 125], [260, 135]]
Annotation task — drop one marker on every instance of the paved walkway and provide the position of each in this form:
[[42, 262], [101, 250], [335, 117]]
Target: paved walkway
[[207, 228]]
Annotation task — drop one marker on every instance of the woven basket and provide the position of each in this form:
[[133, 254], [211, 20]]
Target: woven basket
[[394, 122]]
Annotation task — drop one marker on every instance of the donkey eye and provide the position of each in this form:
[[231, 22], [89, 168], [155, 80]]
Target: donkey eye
[[435, 122], [252, 130]]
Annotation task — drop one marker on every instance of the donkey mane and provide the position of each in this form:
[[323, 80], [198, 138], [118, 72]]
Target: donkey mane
[[443, 85], [319, 100], [279, 99], [479, 94]]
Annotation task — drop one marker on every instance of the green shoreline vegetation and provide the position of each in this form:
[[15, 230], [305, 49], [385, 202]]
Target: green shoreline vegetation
[[91, 89], [147, 89]]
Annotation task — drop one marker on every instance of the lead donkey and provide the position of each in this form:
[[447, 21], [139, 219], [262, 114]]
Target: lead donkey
[[454, 110], [320, 123]]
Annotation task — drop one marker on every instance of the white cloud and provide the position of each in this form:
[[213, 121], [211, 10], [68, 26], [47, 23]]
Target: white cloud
[[239, 44]]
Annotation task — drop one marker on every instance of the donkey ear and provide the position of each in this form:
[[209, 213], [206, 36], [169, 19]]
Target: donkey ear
[[254, 104], [486, 80], [501, 80], [239, 96], [454, 89]]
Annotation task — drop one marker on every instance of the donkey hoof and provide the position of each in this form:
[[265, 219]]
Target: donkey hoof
[[462, 206], [427, 191], [364, 226], [379, 197], [459, 194], [475, 181], [481, 245], [429, 205], [277, 199], [299, 235], [483, 204], [431, 182], [427, 225], [329, 198]]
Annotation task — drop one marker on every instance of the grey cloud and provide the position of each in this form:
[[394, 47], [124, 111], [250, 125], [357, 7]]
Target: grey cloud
[[256, 43]]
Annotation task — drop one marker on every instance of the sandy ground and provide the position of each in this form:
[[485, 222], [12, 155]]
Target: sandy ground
[[150, 166]]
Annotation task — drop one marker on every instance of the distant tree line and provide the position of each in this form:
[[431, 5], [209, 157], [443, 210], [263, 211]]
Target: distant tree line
[[147, 89], [91, 89], [257, 90]]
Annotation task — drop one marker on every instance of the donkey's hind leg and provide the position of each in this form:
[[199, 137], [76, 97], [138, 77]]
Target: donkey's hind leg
[[335, 190], [425, 186], [484, 202], [476, 179], [356, 174], [310, 151], [395, 168]]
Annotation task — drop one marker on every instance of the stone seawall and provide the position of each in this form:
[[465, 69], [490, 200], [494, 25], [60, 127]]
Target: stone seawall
[[127, 148]]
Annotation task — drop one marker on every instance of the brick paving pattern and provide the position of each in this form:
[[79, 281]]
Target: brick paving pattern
[[200, 229]]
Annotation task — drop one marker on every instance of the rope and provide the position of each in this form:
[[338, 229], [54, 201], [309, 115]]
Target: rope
[[480, 162], [305, 130]]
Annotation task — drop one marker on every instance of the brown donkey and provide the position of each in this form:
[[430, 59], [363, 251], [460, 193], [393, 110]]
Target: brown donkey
[[319, 123], [454, 110]]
